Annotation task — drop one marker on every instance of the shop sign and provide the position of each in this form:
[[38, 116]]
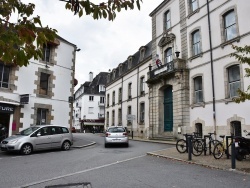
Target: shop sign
[[6, 108], [24, 99], [93, 120]]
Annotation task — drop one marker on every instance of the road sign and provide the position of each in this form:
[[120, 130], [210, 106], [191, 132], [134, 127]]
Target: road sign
[[130, 117]]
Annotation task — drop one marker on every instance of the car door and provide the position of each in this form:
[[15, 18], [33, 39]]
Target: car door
[[56, 137], [42, 140]]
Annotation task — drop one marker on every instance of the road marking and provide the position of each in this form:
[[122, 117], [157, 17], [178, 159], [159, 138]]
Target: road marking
[[80, 172]]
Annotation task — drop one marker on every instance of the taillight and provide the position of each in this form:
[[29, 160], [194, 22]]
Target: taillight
[[107, 134], [125, 134]]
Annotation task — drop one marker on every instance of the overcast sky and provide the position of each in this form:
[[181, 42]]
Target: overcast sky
[[104, 44]]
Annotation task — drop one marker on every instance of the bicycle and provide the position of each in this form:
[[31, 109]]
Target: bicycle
[[182, 145], [210, 145], [221, 148]]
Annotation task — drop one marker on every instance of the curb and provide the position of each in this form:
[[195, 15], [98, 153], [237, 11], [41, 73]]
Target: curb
[[196, 163], [92, 143]]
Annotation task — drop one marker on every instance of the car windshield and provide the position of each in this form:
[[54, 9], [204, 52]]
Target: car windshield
[[116, 130], [27, 131]]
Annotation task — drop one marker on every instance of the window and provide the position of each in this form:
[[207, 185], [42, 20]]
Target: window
[[113, 117], [193, 5], [196, 42], [129, 113], [113, 98], [46, 52], [230, 25], [198, 93], [142, 112], [107, 122], [168, 55], [142, 85], [130, 62], [102, 100], [120, 69], [120, 95], [4, 76], [142, 53], [120, 116], [91, 98], [129, 90], [41, 116], [114, 72], [198, 129], [101, 88], [108, 100], [91, 110], [233, 80], [236, 128], [167, 20], [44, 83]]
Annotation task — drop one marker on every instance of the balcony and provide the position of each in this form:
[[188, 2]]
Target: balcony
[[166, 69], [100, 104]]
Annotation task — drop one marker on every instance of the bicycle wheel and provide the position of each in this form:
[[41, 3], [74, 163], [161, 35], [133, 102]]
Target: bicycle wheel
[[181, 146], [198, 147], [218, 151], [213, 144]]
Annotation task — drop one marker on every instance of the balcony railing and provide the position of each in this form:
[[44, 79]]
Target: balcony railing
[[176, 64], [100, 104]]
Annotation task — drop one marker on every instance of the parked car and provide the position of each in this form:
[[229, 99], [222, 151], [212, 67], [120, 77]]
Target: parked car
[[116, 135], [38, 137]]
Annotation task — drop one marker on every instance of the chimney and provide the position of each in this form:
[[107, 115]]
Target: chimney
[[90, 76]]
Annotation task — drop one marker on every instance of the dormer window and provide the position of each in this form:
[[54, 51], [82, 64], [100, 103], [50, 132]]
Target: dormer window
[[108, 78], [130, 59], [142, 53], [120, 69], [113, 74]]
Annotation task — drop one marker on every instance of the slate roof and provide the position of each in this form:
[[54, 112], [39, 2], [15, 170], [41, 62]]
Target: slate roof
[[93, 87]]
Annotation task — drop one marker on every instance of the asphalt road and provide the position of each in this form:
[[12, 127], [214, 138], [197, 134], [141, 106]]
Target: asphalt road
[[113, 167]]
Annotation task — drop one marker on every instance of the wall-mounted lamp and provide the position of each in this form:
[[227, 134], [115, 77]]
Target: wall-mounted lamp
[[177, 53], [77, 50]]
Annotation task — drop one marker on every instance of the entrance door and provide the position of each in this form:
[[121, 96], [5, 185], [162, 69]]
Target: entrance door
[[168, 109], [4, 125]]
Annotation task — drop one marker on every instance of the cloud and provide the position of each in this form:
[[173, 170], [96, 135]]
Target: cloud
[[104, 44]]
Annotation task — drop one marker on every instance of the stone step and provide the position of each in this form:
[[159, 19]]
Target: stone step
[[165, 138]]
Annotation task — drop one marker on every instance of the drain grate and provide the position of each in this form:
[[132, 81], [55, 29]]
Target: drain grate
[[72, 185]]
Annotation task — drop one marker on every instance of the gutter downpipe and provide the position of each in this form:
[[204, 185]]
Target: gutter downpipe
[[137, 96], [212, 67]]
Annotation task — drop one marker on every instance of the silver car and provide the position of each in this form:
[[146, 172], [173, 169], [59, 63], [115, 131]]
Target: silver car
[[116, 135], [39, 137]]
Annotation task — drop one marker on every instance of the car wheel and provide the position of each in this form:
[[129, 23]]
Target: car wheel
[[105, 145], [26, 149], [66, 145], [127, 145]]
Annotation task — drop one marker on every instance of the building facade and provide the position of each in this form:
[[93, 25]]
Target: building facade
[[127, 94], [194, 89], [40, 93], [89, 104]]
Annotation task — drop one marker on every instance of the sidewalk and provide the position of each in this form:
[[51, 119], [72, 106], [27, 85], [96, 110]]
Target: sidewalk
[[203, 160]]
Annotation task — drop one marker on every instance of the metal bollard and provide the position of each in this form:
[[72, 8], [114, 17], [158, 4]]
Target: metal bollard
[[132, 134], [233, 156], [190, 148]]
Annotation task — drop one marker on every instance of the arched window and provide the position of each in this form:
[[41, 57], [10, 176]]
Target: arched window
[[168, 55], [233, 80], [198, 93], [196, 42], [230, 29]]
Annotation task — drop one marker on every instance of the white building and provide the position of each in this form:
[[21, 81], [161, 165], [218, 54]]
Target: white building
[[204, 78], [194, 88], [41, 92], [89, 104], [127, 94]]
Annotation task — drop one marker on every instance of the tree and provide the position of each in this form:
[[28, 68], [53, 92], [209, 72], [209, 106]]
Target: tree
[[24, 39], [241, 55]]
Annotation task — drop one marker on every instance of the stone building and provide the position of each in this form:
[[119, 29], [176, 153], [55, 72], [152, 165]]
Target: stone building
[[192, 79], [40, 93], [193, 90], [89, 104]]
